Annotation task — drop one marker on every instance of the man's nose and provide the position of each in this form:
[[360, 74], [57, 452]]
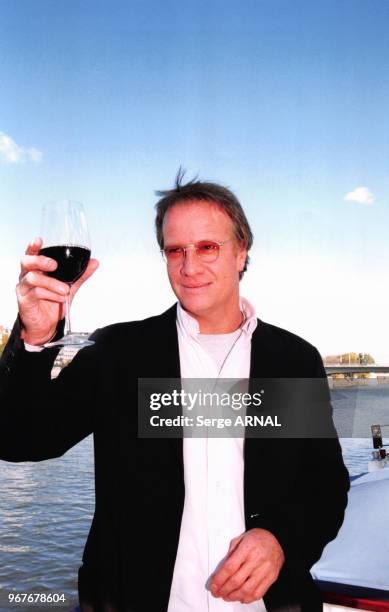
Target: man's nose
[[191, 263]]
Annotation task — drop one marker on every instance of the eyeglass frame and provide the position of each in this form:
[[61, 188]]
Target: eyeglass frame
[[193, 246]]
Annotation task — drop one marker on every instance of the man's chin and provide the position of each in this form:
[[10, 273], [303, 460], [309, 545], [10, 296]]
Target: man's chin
[[195, 305]]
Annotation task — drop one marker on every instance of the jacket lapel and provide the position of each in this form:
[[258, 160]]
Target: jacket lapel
[[164, 362]]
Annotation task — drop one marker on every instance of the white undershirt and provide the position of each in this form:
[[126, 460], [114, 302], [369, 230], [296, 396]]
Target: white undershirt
[[213, 472]]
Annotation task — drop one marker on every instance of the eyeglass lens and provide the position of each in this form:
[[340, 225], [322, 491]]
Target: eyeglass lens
[[206, 250]]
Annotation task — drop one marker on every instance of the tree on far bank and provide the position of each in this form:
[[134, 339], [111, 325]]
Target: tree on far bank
[[350, 358], [3, 342]]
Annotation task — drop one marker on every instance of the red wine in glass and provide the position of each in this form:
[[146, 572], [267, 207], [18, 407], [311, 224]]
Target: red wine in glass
[[66, 240], [72, 261]]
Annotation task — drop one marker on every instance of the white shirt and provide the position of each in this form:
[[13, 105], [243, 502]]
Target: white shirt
[[213, 472]]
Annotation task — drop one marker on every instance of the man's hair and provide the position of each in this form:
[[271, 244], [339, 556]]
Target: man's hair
[[209, 192]]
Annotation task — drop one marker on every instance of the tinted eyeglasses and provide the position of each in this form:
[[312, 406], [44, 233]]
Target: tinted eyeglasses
[[206, 250]]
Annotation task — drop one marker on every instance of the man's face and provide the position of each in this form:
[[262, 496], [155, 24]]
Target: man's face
[[204, 289]]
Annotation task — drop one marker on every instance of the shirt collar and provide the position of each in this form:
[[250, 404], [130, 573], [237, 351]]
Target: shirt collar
[[190, 327], [251, 320]]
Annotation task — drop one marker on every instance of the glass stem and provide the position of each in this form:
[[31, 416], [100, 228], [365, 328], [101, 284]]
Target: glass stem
[[68, 327]]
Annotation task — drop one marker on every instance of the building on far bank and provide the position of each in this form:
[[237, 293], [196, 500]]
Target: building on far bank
[[65, 356]]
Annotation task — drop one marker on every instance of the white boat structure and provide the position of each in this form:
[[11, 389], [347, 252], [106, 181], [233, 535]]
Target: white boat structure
[[353, 571]]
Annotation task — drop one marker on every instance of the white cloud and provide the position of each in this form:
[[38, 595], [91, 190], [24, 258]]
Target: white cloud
[[13, 153], [361, 195]]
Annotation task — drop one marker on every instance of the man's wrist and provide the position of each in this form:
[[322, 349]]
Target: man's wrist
[[39, 341]]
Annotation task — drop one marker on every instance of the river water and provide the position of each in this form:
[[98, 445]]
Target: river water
[[46, 508]]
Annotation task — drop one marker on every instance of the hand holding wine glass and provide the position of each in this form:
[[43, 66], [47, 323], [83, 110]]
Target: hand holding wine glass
[[46, 281]]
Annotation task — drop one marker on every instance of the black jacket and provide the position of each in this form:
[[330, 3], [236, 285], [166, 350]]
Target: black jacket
[[130, 552]]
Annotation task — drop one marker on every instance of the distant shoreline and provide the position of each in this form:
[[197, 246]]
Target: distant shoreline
[[344, 383]]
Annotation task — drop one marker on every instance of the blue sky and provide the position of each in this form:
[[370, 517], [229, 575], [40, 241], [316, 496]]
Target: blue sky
[[285, 102]]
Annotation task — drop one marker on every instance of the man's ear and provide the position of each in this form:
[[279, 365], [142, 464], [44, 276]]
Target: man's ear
[[242, 255]]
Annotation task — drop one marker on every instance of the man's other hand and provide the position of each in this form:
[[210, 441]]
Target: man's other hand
[[253, 563]]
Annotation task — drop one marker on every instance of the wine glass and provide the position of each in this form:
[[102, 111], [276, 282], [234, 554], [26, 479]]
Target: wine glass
[[66, 239]]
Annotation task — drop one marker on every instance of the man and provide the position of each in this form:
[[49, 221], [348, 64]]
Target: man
[[180, 525]]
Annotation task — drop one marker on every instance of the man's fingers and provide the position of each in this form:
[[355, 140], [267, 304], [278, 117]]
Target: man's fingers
[[35, 278], [34, 246], [37, 262], [229, 567], [234, 543], [262, 588], [252, 589], [40, 293], [92, 266], [33, 261], [236, 581]]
